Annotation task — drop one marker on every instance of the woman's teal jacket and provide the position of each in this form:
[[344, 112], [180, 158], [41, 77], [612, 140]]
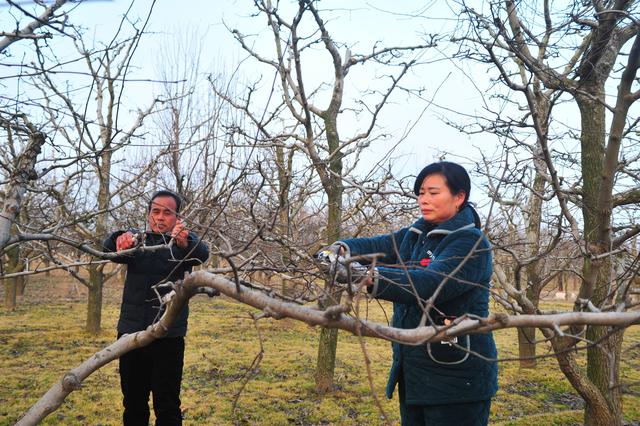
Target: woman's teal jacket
[[417, 260]]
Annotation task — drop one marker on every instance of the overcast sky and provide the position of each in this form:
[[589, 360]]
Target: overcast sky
[[359, 26]]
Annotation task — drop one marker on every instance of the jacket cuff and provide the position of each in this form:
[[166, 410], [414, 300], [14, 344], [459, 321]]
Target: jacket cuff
[[347, 250], [373, 288]]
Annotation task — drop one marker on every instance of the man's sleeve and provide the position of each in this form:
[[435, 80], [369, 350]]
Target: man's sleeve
[[109, 246], [197, 251]]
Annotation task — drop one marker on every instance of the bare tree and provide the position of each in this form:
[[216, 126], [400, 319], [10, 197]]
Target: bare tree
[[94, 146], [315, 130], [524, 225], [20, 173], [582, 51], [80, 149], [18, 161]]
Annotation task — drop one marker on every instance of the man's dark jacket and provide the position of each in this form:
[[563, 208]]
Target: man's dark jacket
[[422, 255], [146, 268]]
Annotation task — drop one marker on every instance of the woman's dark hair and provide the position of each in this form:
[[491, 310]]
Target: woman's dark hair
[[454, 174], [166, 193], [457, 180]]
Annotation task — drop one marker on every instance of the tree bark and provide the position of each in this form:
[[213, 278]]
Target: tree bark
[[603, 358], [96, 273], [329, 337], [24, 172], [284, 164], [21, 284], [94, 301], [10, 285], [527, 336], [10, 294], [325, 367], [603, 363], [596, 405]]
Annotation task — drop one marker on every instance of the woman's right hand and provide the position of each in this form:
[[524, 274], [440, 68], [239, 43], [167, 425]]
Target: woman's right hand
[[336, 248]]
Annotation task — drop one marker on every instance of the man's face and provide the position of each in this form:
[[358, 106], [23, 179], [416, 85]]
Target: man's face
[[162, 216]]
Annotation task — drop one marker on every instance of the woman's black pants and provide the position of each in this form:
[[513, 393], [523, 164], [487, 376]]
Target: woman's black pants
[[455, 414]]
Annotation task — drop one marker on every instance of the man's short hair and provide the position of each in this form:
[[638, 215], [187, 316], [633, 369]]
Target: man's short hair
[[166, 193]]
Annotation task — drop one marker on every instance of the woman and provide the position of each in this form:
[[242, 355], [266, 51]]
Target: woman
[[439, 383]]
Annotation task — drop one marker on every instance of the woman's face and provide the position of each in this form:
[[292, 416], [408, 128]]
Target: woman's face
[[437, 203]]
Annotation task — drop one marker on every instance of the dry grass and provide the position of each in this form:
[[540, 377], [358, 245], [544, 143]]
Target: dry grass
[[44, 338]]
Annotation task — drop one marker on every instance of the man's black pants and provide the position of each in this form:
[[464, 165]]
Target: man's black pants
[[155, 369]]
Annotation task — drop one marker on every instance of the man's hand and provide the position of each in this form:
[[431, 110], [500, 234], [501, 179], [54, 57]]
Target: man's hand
[[180, 234], [125, 241]]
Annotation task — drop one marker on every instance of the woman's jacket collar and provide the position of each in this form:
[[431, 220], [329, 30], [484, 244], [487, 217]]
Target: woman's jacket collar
[[463, 220]]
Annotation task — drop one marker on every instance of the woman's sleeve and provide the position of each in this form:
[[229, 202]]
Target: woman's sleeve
[[388, 244], [456, 266]]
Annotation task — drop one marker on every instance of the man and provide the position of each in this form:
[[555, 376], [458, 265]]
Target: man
[[156, 368]]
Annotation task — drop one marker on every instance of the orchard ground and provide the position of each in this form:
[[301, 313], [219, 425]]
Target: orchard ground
[[44, 337]]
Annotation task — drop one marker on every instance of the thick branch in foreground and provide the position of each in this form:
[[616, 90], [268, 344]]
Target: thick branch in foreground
[[333, 317], [71, 381]]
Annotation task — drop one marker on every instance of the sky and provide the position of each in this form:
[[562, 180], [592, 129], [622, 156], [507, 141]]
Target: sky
[[360, 26], [414, 124]]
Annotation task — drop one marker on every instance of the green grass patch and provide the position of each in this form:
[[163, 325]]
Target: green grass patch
[[44, 338]]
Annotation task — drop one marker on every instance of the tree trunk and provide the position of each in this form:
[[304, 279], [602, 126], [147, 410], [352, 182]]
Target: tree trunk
[[15, 190], [326, 359], [284, 164], [596, 406], [21, 284], [94, 304], [11, 266], [527, 336], [527, 347], [329, 337], [96, 274], [603, 358], [10, 294], [11, 205]]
